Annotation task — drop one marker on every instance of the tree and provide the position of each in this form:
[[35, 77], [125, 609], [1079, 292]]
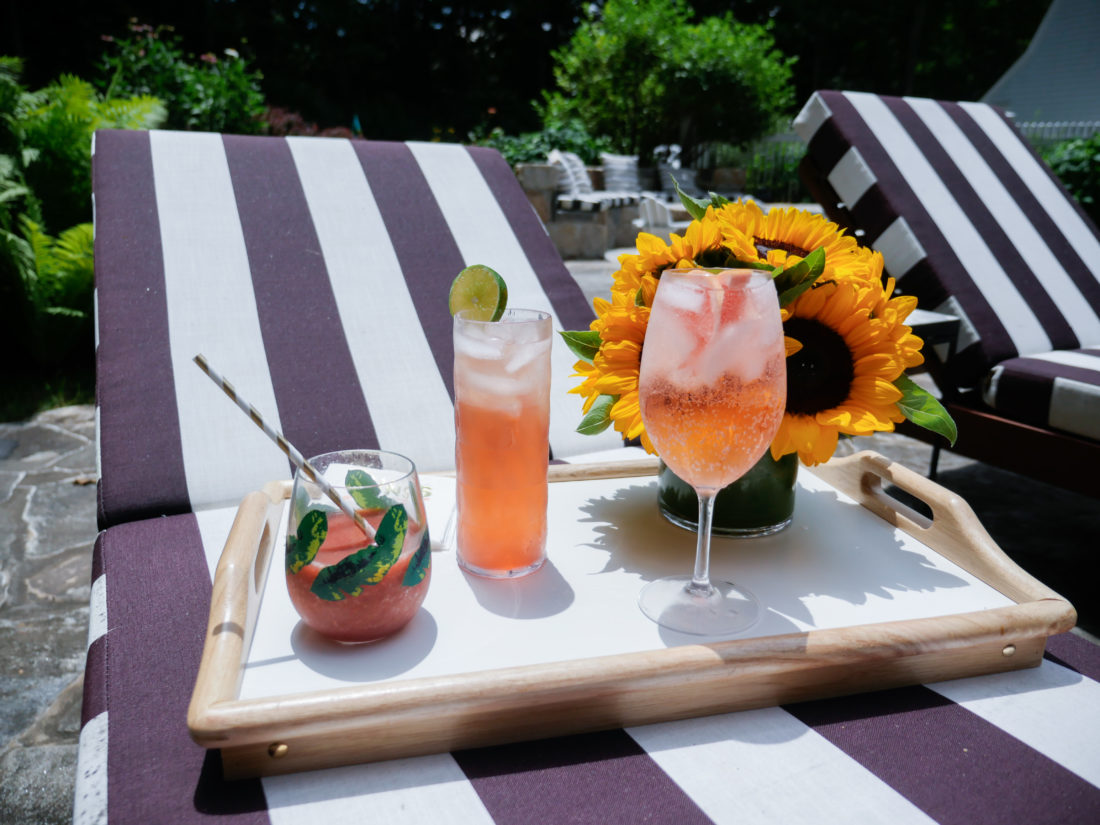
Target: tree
[[944, 49], [645, 74]]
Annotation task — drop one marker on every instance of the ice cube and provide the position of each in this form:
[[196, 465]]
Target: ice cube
[[479, 347], [681, 296], [520, 357], [488, 384]]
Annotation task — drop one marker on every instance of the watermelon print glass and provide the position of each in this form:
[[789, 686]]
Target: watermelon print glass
[[344, 585]]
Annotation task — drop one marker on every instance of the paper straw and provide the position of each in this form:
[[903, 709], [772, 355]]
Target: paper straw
[[296, 457]]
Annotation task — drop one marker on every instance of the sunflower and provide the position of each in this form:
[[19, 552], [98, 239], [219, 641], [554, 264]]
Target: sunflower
[[854, 347], [782, 237], [613, 372], [700, 240], [847, 343]]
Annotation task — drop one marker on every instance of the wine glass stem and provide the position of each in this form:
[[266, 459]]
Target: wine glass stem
[[700, 580]]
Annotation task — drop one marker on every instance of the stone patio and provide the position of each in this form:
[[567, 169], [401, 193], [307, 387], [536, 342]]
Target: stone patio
[[48, 510]]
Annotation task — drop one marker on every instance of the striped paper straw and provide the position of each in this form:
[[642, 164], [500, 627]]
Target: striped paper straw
[[296, 457]]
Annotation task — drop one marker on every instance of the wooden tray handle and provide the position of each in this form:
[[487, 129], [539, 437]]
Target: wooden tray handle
[[235, 600], [954, 530]]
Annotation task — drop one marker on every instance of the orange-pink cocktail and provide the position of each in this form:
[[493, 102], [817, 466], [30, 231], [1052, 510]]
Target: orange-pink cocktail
[[712, 389], [502, 425]]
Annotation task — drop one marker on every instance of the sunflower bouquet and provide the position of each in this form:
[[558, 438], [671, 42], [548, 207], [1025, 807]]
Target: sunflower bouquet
[[848, 346]]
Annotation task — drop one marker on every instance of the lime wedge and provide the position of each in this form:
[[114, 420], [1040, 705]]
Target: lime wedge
[[481, 291]]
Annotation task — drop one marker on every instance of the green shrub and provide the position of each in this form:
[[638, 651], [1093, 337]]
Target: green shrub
[[1077, 164], [645, 74], [206, 93], [533, 147], [45, 187], [55, 126], [771, 171]]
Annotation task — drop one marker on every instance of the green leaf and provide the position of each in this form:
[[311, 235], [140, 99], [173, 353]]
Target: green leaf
[[788, 295], [696, 208], [348, 577], [363, 488], [639, 298], [598, 418], [302, 548], [718, 201], [584, 343], [796, 279], [419, 563], [924, 409]]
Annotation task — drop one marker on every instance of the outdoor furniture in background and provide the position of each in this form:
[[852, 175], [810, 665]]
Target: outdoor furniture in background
[[313, 273], [583, 221], [972, 222], [656, 218]]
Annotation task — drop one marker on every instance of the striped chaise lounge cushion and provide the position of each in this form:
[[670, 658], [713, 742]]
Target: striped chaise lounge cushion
[[970, 220], [1059, 390], [313, 273]]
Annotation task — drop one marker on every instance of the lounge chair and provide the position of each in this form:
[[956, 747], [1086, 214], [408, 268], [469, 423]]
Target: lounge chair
[[312, 272], [972, 222], [656, 218]]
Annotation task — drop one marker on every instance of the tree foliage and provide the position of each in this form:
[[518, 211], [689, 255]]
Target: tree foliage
[[209, 93], [645, 74], [1077, 164], [418, 69], [45, 187], [944, 49]]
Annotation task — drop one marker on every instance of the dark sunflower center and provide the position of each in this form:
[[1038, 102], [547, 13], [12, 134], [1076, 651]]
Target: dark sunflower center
[[820, 374], [763, 245]]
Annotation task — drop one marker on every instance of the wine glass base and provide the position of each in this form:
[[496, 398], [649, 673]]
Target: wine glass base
[[726, 609]]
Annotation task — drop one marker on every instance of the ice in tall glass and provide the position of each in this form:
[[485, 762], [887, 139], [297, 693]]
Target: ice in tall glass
[[502, 428]]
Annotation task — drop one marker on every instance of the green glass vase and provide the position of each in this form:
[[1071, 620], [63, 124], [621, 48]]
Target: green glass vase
[[759, 503]]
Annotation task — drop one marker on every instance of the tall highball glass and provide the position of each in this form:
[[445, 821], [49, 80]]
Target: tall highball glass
[[502, 448]]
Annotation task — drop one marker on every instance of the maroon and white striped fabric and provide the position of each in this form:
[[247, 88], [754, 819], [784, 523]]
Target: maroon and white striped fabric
[[313, 273], [1059, 390], [968, 218], [1013, 747]]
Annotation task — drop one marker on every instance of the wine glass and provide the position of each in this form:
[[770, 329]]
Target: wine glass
[[712, 390]]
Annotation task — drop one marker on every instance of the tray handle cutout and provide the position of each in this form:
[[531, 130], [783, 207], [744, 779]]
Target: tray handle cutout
[[953, 529]]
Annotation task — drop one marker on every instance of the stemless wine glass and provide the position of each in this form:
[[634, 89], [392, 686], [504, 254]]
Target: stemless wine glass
[[712, 389], [343, 584]]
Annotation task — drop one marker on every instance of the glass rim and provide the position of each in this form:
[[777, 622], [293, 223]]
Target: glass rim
[[532, 316], [319, 459], [701, 275]]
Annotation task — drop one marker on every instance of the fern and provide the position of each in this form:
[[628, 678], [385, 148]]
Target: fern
[[141, 112], [55, 126], [63, 267], [46, 280]]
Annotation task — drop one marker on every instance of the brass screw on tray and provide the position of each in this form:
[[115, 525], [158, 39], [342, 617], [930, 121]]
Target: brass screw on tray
[[1009, 650], [277, 750]]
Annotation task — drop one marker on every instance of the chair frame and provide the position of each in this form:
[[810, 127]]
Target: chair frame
[[1053, 457]]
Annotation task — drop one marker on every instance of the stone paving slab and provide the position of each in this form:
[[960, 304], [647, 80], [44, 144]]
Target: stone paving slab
[[48, 520]]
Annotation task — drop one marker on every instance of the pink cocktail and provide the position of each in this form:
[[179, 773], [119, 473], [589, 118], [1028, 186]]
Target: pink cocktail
[[712, 390]]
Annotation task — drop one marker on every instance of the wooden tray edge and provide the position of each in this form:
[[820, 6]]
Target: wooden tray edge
[[420, 716]]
